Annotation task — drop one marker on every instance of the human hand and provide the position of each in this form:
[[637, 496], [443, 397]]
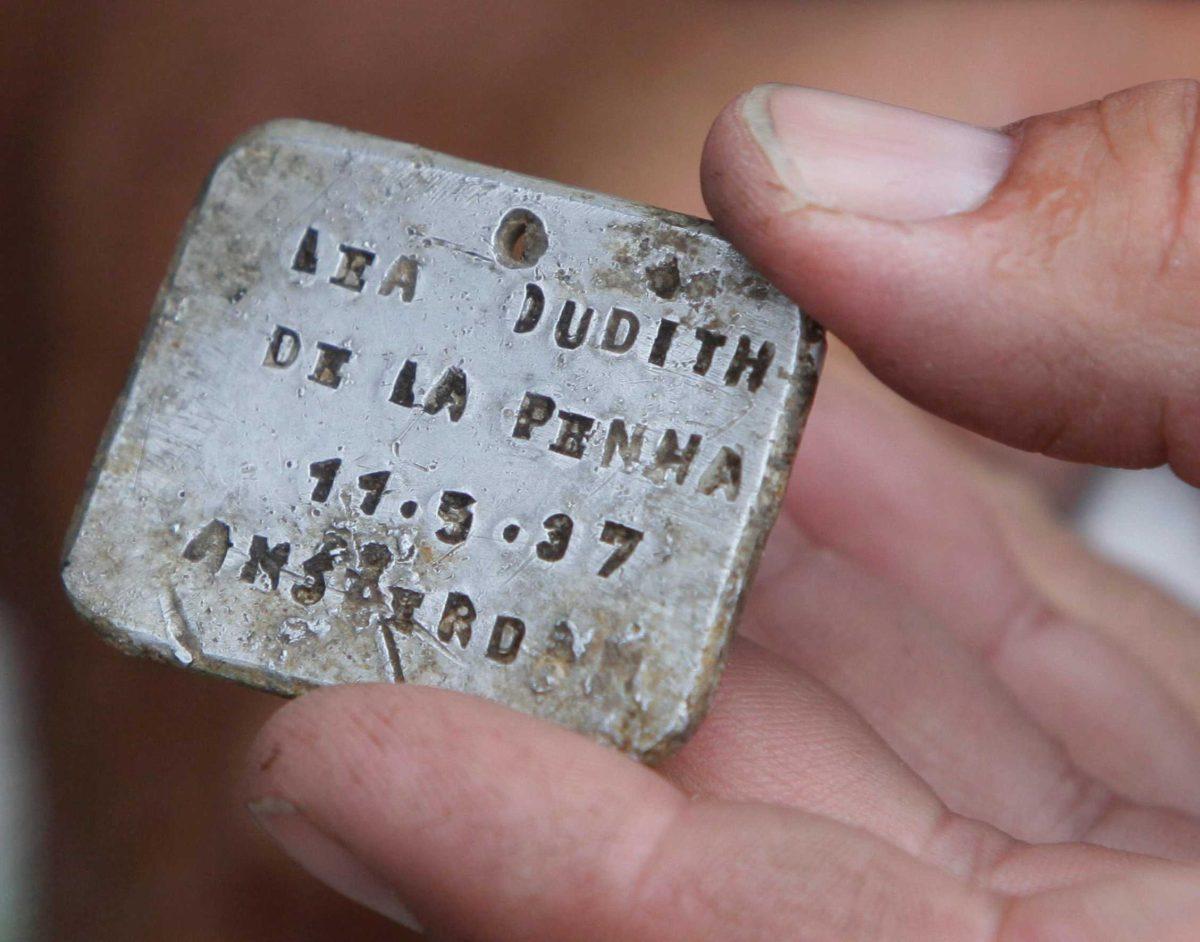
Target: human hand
[[945, 719]]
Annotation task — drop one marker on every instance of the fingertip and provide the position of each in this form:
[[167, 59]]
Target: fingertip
[[739, 186], [487, 824], [325, 858], [450, 804], [814, 255], [311, 730], [343, 739], [306, 769]]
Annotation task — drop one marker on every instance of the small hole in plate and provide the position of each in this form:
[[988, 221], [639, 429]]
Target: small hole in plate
[[520, 240]]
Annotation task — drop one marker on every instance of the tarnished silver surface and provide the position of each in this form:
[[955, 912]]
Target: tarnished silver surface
[[401, 417]]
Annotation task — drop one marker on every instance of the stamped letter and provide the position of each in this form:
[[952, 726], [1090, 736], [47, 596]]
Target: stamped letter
[[662, 341], [405, 603], [625, 539], [402, 275], [506, 639], [619, 441], [558, 538], [306, 253], [563, 335], [531, 309], [668, 457], [450, 393], [455, 511], [759, 363], [362, 584], [572, 434], [709, 342], [402, 389], [457, 618], [324, 472], [212, 544], [535, 412], [270, 559], [725, 472], [373, 484], [283, 348], [328, 369], [312, 590], [352, 272], [620, 321]]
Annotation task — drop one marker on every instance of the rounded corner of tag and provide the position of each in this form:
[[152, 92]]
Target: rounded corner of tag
[[270, 130], [673, 738], [262, 138], [84, 601]]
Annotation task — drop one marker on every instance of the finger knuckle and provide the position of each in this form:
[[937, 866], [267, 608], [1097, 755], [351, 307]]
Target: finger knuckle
[[1152, 133]]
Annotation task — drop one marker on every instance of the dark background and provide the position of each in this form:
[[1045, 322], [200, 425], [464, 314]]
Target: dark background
[[113, 112]]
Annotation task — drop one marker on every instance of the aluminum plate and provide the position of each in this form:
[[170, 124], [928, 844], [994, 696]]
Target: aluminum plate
[[398, 417]]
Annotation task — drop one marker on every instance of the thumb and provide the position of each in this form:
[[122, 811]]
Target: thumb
[[1039, 284]]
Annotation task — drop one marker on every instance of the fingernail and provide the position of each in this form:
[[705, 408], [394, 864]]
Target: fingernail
[[870, 159], [328, 860]]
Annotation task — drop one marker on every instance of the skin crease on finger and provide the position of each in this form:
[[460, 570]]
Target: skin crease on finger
[[900, 601], [926, 518]]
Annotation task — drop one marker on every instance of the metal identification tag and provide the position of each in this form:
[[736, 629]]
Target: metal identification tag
[[403, 418]]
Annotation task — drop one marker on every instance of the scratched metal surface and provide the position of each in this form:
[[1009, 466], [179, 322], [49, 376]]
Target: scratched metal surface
[[384, 428]]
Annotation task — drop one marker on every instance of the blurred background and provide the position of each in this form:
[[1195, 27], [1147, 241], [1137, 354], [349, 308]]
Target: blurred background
[[117, 817]]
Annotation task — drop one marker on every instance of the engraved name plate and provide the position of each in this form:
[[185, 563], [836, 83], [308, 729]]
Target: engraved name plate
[[403, 418]]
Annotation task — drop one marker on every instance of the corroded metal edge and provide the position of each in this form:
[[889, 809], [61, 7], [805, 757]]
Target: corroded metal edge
[[768, 504]]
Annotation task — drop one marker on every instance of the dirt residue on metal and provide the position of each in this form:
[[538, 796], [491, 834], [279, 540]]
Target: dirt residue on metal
[[663, 278]]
